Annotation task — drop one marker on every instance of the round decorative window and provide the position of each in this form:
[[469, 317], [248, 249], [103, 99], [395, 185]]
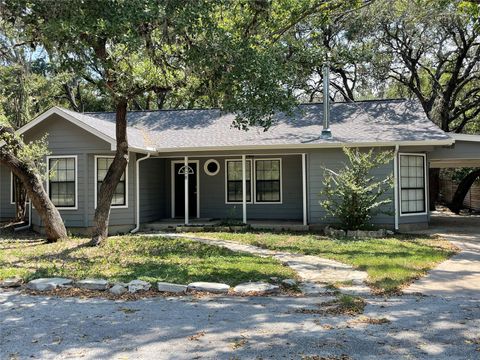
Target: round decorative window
[[211, 167]]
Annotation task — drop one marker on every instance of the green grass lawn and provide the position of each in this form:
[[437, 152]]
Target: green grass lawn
[[390, 263], [135, 257]]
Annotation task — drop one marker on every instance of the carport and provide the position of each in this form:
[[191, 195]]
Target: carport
[[464, 153]]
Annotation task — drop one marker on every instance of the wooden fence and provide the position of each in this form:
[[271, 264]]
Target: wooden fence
[[472, 200]]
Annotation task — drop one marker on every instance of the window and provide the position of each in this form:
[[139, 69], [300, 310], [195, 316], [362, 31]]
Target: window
[[101, 168], [412, 184], [13, 189], [234, 181], [267, 180], [62, 185], [211, 167]]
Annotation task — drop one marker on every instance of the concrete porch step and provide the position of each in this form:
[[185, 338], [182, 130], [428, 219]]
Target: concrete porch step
[[273, 225]]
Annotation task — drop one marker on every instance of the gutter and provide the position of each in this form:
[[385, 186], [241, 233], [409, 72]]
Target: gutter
[[302, 146], [395, 186], [29, 225], [137, 189]]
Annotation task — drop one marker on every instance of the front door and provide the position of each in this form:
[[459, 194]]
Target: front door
[[180, 190]]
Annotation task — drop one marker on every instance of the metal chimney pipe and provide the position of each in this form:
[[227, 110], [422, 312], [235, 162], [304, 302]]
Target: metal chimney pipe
[[326, 132]]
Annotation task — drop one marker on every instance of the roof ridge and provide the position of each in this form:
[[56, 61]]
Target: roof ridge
[[217, 108]]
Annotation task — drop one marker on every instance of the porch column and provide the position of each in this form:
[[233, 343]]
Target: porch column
[[244, 188], [304, 188], [186, 190]]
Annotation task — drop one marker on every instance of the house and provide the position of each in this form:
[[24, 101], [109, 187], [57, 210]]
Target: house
[[191, 166]]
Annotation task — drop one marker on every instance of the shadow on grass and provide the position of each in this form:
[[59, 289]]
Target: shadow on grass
[[146, 258]]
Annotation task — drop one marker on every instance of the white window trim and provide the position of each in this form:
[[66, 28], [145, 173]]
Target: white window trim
[[95, 191], [255, 183], [425, 183], [11, 190], [205, 167], [76, 178], [251, 182], [172, 171]]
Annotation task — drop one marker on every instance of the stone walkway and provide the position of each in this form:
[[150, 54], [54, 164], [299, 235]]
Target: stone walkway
[[316, 273], [459, 276]]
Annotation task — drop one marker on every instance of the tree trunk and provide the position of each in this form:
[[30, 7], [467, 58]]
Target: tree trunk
[[20, 200], [112, 178], [434, 187], [28, 174], [54, 227], [462, 190]]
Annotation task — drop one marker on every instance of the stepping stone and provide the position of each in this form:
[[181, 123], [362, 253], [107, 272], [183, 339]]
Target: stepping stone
[[93, 284], [45, 284], [118, 289], [210, 287], [171, 288], [259, 288], [314, 289], [138, 285], [289, 282], [356, 290], [11, 283]]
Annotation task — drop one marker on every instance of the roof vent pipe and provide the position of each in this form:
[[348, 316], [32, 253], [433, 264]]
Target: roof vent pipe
[[326, 132]]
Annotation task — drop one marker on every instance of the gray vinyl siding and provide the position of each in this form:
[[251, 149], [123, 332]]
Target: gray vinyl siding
[[118, 216], [212, 193], [7, 210], [334, 159], [153, 191], [156, 184], [461, 150], [65, 138]]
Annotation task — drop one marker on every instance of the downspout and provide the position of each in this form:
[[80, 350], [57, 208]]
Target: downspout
[[137, 195], [25, 227], [395, 186]]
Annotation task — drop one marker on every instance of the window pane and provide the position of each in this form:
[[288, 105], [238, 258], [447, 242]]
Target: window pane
[[101, 174], [412, 183], [234, 180], [119, 196], [267, 174], [62, 181]]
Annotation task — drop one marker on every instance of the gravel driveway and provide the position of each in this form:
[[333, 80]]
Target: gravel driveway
[[234, 327], [443, 325]]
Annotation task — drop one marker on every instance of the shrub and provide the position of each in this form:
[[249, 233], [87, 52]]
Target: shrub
[[353, 195]]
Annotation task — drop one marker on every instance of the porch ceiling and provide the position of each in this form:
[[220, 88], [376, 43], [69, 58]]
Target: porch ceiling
[[454, 163], [465, 153]]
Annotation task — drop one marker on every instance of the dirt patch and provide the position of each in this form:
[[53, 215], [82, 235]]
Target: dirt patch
[[328, 357], [369, 320], [197, 336], [343, 305], [68, 292]]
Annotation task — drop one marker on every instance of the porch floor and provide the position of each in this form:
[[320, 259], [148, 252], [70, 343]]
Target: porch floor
[[275, 225]]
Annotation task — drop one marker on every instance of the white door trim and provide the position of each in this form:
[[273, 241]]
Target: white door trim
[[172, 171]]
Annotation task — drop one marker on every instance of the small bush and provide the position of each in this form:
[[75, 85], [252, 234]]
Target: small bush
[[353, 195]]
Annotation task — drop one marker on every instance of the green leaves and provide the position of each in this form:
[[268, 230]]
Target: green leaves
[[354, 194], [234, 55]]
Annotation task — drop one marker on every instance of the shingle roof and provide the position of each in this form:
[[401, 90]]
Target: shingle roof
[[137, 138], [367, 122]]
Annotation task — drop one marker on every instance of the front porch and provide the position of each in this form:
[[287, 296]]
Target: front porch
[[210, 224], [262, 190]]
